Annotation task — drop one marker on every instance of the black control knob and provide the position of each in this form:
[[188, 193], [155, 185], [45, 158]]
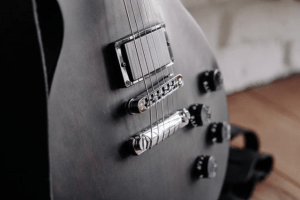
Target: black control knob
[[219, 132], [211, 81], [206, 167], [200, 115]]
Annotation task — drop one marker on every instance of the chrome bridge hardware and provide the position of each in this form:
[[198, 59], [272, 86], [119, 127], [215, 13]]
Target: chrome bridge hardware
[[150, 137], [143, 102], [143, 54]]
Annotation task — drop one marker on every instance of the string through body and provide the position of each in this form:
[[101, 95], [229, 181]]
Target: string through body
[[144, 27], [135, 45]]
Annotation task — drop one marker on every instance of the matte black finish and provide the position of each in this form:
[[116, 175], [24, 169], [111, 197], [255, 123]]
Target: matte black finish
[[88, 126]]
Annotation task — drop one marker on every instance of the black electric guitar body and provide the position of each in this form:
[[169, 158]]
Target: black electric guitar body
[[113, 51]]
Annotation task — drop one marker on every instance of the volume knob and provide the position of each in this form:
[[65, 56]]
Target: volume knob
[[206, 167], [200, 115], [218, 132], [211, 81]]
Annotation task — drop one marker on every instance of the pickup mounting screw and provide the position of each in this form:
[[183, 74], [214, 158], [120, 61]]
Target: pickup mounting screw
[[123, 64]]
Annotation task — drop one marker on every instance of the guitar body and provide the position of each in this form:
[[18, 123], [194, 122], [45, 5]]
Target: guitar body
[[88, 125]]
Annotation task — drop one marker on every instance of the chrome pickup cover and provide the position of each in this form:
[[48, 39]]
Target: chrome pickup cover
[[145, 101], [143, 54]]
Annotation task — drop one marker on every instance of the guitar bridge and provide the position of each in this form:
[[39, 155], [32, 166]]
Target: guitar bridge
[[143, 54], [145, 101], [161, 130]]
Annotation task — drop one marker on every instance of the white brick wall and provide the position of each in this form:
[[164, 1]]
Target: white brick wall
[[256, 41]]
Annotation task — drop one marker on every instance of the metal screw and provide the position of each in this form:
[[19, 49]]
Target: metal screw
[[128, 83]]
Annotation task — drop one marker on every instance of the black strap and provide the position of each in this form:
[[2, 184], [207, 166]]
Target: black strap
[[246, 167], [251, 140]]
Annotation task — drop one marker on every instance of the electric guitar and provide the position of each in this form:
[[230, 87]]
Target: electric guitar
[[136, 109]]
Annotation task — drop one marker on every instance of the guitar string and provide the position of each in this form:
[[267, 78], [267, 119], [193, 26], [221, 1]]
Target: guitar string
[[158, 15], [164, 61], [172, 71], [148, 44], [134, 40], [147, 66], [172, 67], [164, 99]]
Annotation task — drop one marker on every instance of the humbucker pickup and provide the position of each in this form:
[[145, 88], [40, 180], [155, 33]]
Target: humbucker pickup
[[146, 100], [143, 54]]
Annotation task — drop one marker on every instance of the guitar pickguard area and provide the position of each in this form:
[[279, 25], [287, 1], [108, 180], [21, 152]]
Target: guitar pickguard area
[[143, 54]]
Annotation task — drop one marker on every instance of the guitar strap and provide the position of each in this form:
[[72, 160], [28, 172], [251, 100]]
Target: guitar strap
[[246, 167]]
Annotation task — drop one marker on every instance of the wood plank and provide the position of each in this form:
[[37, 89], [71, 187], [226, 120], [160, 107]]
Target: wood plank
[[285, 94], [280, 103], [276, 187], [278, 133]]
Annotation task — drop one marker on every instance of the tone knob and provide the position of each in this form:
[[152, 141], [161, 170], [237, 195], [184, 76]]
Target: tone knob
[[211, 80], [219, 132], [200, 115], [206, 167]]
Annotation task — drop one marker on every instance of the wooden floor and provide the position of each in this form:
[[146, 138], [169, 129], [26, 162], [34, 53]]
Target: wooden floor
[[273, 112]]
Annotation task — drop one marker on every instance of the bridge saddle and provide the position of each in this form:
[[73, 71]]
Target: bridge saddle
[[146, 100]]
